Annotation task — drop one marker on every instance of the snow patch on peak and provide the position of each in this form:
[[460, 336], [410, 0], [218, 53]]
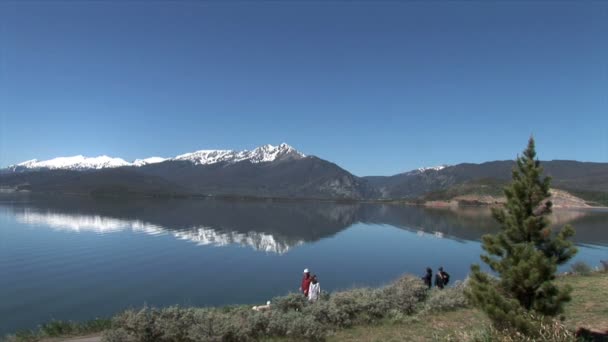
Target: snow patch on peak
[[433, 168], [146, 161], [426, 169], [268, 153], [78, 162], [28, 163], [262, 154], [204, 157]]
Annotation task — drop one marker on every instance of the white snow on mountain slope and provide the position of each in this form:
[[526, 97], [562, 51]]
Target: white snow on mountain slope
[[151, 160], [434, 168], [266, 153], [74, 163], [425, 169]]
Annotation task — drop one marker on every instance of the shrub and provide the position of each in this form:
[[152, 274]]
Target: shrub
[[174, 323], [211, 325], [291, 302], [405, 293], [139, 324], [604, 265], [447, 299], [296, 325], [581, 268], [116, 335], [291, 316], [357, 306]]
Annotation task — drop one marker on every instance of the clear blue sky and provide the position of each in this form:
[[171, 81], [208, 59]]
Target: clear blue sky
[[378, 88]]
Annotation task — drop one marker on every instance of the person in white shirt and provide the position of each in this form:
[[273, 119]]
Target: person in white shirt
[[314, 290]]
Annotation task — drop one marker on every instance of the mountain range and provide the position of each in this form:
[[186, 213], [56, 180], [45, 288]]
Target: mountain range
[[282, 171]]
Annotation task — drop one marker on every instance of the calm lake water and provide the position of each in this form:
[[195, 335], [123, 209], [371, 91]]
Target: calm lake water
[[75, 259]]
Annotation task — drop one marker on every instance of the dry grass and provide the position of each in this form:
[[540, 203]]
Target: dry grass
[[588, 308], [589, 305], [429, 327]]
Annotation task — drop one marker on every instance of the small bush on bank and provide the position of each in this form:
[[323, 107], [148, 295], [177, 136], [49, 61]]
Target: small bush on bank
[[581, 268], [116, 335], [296, 325], [59, 329], [291, 302], [450, 298], [291, 316], [405, 293]]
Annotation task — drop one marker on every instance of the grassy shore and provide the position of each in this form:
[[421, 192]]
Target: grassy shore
[[402, 311], [588, 309]]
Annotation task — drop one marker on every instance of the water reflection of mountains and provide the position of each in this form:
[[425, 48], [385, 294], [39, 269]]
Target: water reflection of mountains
[[273, 226]]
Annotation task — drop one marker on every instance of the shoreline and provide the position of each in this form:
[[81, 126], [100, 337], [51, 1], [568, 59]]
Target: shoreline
[[470, 202], [368, 317]]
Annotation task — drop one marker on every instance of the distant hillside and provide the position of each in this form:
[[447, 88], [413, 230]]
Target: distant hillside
[[266, 171], [586, 180], [308, 177], [305, 178], [106, 182]]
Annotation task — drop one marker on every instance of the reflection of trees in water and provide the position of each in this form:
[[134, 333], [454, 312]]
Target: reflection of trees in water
[[289, 223], [465, 225]]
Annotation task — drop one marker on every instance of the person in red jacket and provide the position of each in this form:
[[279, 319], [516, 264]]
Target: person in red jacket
[[305, 282]]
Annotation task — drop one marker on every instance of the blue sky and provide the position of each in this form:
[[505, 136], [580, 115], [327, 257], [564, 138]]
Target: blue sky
[[378, 87]]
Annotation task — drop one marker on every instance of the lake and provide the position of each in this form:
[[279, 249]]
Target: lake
[[73, 258]]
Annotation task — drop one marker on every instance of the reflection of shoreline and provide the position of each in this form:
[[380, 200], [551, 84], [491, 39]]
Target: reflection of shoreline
[[200, 235], [276, 227]]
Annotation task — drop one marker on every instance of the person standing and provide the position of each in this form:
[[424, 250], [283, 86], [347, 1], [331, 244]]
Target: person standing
[[304, 287], [314, 290], [428, 277], [442, 278]]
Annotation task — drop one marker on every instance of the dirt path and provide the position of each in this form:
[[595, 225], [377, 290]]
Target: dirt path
[[96, 338]]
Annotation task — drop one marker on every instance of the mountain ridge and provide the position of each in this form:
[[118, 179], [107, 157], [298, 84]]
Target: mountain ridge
[[264, 153], [283, 172]]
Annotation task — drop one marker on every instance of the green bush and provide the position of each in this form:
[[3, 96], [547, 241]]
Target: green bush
[[296, 325], [291, 302], [116, 335], [140, 324], [213, 325], [405, 293], [290, 316], [357, 306], [581, 268], [450, 298], [174, 323]]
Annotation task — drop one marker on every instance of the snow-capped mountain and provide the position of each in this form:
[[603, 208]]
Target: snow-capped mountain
[[266, 171], [148, 161], [72, 163], [262, 154], [432, 168]]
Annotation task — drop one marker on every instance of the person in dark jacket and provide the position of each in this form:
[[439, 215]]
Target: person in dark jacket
[[428, 277], [305, 282], [442, 278]]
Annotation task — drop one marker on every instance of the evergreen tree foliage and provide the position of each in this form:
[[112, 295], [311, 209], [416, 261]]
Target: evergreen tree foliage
[[524, 254]]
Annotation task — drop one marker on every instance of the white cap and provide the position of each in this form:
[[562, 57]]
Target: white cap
[[268, 303], [306, 270]]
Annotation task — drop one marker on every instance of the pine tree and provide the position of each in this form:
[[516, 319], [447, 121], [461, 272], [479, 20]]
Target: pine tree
[[524, 254]]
